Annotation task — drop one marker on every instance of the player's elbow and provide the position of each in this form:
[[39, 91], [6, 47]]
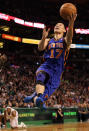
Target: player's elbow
[[68, 42]]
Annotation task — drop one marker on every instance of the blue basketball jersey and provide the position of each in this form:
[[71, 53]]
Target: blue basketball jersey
[[54, 56], [55, 50]]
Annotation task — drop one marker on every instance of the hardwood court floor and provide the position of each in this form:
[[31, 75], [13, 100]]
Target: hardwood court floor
[[56, 127]]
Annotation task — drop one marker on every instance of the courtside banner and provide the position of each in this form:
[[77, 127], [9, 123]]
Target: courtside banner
[[10, 37], [30, 41]]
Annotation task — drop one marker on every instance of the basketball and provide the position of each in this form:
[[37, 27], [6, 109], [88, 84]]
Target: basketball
[[67, 10]]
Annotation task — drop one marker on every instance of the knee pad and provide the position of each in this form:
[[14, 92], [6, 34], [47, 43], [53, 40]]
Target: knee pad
[[42, 77]]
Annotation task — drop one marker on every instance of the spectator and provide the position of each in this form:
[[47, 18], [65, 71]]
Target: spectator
[[59, 116], [83, 112]]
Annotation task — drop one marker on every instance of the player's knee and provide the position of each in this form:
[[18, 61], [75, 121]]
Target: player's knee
[[42, 77]]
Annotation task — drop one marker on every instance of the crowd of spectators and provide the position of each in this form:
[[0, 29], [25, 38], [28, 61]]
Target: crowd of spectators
[[74, 88], [17, 80]]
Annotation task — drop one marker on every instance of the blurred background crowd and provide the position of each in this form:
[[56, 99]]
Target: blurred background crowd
[[17, 80]]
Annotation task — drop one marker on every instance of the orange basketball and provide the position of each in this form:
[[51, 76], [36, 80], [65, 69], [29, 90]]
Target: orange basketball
[[67, 10]]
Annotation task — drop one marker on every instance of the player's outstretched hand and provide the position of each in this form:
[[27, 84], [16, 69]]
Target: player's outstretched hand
[[72, 18], [45, 33]]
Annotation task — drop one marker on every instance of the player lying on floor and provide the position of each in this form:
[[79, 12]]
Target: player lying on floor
[[12, 115]]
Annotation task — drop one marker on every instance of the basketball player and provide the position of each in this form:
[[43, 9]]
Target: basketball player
[[49, 73], [12, 115]]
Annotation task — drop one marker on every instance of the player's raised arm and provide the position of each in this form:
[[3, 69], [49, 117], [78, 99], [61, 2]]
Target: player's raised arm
[[69, 34], [44, 41]]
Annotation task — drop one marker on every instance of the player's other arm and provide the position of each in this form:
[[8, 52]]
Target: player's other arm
[[44, 41], [69, 34], [14, 113]]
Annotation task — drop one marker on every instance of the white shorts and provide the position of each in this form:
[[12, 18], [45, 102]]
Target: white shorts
[[14, 122]]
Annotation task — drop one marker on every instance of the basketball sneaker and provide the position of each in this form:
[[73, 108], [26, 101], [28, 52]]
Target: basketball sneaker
[[30, 98], [40, 103]]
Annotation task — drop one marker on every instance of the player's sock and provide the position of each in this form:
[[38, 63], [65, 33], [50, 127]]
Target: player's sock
[[30, 98]]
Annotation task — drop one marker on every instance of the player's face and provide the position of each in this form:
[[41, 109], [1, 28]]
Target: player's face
[[9, 110], [59, 28]]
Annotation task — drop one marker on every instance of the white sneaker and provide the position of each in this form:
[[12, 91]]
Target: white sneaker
[[23, 125]]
